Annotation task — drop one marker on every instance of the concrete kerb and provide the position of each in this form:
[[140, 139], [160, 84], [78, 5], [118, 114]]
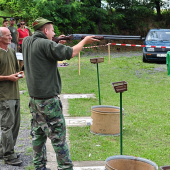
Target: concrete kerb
[[73, 121]]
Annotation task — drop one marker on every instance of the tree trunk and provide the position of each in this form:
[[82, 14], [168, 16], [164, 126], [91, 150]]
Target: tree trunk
[[157, 3], [67, 1], [99, 22]]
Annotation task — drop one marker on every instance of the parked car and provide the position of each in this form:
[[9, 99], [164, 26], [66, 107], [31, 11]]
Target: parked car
[[156, 37]]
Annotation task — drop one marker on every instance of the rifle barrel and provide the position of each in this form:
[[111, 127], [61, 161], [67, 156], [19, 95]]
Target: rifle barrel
[[123, 37], [98, 36], [111, 37]]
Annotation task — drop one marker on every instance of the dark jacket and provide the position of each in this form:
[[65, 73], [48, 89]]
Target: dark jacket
[[40, 57]]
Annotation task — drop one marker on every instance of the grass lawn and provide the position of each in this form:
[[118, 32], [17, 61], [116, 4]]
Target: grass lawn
[[146, 105]]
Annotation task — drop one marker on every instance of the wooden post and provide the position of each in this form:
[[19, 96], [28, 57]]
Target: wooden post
[[18, 64], [21, 63], [109, 52], [79, 63]]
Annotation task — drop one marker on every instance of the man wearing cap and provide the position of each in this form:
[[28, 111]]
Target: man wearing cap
[[13, 31], [41, 55]]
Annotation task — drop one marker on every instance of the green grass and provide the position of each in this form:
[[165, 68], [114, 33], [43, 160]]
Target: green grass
[[29, 151], [146, 106], [20, 145], [31, 167], [21, 139], [24, 98]]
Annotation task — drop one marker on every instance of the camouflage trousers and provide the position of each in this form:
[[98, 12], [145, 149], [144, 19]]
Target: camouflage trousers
[[48, 121]]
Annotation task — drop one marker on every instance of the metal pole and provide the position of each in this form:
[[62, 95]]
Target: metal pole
[[121, 140], [98, 84]]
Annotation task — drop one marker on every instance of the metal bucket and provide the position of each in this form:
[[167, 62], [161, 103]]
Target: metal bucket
[[123, 162], [106, 120], [165, 167]]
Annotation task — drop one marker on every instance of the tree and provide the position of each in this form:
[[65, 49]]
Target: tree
[[27, 11], [95, 14], [158, 5], [86, 16], [123, 4], [151, 4]]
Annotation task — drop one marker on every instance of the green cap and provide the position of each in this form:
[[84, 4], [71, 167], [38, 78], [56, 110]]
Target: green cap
[[40, 22]]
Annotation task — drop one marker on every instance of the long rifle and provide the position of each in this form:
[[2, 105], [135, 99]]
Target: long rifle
[[97, 36]]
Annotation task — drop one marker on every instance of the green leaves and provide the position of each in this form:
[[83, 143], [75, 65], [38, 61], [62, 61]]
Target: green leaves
[[87, 16]]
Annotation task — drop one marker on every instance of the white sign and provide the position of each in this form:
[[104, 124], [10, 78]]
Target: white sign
[[19, 56]]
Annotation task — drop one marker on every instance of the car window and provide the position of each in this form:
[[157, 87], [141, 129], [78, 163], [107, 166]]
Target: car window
[[158, 36]]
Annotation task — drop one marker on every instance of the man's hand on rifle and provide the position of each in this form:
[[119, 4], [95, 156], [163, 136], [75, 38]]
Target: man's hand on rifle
[[62, 41], [89, 39]]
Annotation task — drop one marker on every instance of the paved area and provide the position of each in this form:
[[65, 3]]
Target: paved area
[[73, 121]]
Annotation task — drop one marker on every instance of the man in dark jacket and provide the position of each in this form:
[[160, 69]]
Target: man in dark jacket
[[41, 55]]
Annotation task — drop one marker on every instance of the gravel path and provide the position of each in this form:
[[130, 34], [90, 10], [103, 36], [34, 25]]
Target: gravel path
[[23, 146], [113, 54]]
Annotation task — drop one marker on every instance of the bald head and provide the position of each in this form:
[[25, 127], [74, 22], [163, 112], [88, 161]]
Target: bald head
[[3, 30], [5, 36]]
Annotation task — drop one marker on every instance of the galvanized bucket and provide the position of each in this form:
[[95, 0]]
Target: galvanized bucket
[[165, 167], [124, 162], [106, 120]]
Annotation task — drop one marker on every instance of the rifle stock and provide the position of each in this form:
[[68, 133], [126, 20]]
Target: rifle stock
[[57, 39]]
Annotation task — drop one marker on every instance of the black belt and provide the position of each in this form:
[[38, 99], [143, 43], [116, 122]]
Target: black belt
[[36, 98]]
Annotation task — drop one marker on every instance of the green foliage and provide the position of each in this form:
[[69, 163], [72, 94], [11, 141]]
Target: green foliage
[[21, 8], [127, 15], [152, 3], [64, 16], [88, 16], [127, 19], [95, 14], [120, 4], [166, 17]]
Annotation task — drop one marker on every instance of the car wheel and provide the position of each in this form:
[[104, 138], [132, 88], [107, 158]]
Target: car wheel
[[144, 59]]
